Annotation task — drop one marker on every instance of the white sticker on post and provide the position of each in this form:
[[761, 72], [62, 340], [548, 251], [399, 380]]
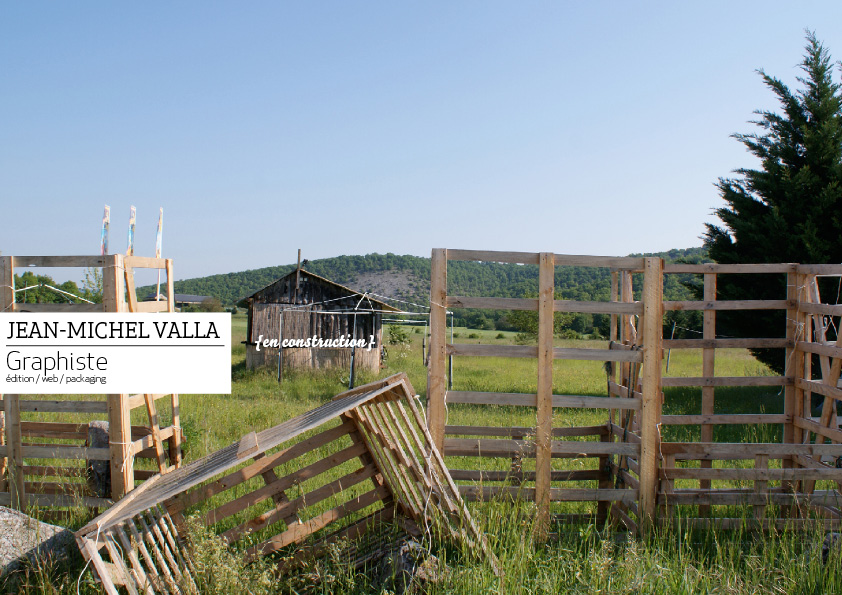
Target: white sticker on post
[[111, 353]]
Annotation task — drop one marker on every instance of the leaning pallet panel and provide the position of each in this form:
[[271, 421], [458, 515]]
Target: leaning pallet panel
[[45, 453], [359, 463]]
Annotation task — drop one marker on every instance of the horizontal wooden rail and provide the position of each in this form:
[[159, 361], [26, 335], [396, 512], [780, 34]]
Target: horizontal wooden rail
[[145, 262], [71, 308], [585, 307], [830, 473], [66, 431], [819, 269], [481, 493], [729, 305], [827, 349], [621, 391], [63, 406], [136, 401], [758, 343], [617, 262], [479, 475], [472, 447], [818, 387], [528, 400], [717, 498], [725, 450], [598, 355], [723, 419], [821, 309], [810, 425], [524, 431], [58, 261], [58, 500], [152, 307], [726, 381], [729, 268], [64, 452]]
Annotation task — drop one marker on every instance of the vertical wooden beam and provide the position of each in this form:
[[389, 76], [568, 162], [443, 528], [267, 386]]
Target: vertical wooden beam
[[708, 370], [120, 443], [793, 334], [436, 382], [175, 441], [170, 288], [650, 413], [612, 330], [760, 462], [803, 365], [113, 287], [155, 426], [130, 289], [7, 285], [544, 404], [14, 449]]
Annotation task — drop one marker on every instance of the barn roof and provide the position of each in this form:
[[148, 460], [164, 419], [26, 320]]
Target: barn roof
[[339, 288]]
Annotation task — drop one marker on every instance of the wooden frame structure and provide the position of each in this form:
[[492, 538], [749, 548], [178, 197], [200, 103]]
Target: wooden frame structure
[[634, 481], [372, 461], [61, 482]]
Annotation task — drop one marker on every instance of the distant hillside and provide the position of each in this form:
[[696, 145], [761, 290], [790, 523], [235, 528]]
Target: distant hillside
[[408, 278]]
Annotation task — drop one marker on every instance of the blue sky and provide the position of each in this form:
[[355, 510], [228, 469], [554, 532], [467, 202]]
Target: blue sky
[[350, 128]]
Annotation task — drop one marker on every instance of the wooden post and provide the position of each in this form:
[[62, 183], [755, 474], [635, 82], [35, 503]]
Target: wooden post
[[170, 287], [544, 398], [650, 414], [7, 284], [113, 288], [436, 381], [175, 441], [708, 370], [793, 334], [14, 450], [120, 443]]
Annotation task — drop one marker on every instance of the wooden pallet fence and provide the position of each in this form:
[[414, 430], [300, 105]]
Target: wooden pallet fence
[[38, 429], [549, 446], [358, 466]]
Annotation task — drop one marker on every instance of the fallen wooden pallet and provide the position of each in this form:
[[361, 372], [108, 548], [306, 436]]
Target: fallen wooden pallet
[[376, 464]]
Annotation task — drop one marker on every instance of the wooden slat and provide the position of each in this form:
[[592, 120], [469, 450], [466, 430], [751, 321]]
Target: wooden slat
[[732, 305], [818, 387], [528, 400], [720, 450], [65, 431], [199, 494], [830, 349], [484, 493], [299, 531], [729, 268], [600, 355], [60, 308], [493, 256], [46, 406], [286, 508], [725, 381], [507, 448], [267, 491], [58, 500], [758, 343], [478, 475], [723, 419], [524, 431], [808, 424], [152, 307], [58, 261], [717, 498], [66, 452], [819, 269], [145, 262], [586, 307], [830, 473]]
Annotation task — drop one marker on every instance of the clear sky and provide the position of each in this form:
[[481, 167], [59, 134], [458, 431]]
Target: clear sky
[[358, 127]]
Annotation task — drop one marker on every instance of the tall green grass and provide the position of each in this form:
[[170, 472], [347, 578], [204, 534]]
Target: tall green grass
[[579, 559]]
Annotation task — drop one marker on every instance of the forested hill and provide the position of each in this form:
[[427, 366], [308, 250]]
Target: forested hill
[[408, 277]]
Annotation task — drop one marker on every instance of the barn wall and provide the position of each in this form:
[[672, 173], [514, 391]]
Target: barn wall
[[265, 320]]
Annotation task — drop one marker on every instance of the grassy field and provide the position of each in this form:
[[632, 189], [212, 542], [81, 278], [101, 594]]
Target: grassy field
[[586, 559]]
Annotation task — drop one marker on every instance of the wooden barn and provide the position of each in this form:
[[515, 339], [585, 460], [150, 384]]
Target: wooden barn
[[302, 306]]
